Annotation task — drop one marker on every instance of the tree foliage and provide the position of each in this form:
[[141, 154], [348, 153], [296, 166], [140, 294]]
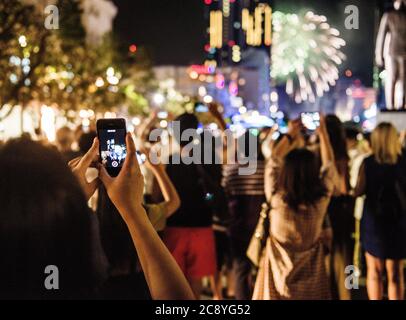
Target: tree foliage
[[58, 67]]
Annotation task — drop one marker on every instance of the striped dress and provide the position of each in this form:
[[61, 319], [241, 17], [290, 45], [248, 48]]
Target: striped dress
[[245, 195], [249, 185], [293, 266]]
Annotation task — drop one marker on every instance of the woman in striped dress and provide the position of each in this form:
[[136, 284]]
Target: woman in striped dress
[[293, 266]]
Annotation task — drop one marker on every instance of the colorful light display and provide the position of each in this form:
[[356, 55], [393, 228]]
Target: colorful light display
[[216, 29], [305, 54], [258, 26]]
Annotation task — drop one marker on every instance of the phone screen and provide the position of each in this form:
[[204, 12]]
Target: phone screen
[[311, 120], [141, 157], [201, 108], [162, 114], [113, 149], [276, 135]]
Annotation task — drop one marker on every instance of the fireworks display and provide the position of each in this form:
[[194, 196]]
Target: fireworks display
[[305, 54]]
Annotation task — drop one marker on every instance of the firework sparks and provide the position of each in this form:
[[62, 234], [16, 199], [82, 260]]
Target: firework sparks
[[305, 54]]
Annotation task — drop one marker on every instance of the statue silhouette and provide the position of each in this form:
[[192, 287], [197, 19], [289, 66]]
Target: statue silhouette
[[391, 53]]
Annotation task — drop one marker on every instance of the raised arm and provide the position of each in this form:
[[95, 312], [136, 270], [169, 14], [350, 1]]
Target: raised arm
[[164, 277], [326, 150], [171, 196], [227, 152], [144, 129], [288, 141], [278, 153], [214, 110]]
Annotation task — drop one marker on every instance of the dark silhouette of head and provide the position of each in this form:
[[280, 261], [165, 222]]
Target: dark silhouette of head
[[336, 133], [299, 180], [351, 136], [186, 121], [352, 133], [86, 141], [44, 220]]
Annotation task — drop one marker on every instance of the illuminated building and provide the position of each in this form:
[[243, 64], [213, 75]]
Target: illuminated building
[[235, 26], [239, 36]]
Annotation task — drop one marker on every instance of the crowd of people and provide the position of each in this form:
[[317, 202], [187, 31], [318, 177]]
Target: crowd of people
[[327, 201]]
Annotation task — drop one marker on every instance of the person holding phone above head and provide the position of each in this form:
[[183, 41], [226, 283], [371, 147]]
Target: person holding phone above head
[[298, 192], [148, 266], [125, 276], [45, 221], [310, 121]]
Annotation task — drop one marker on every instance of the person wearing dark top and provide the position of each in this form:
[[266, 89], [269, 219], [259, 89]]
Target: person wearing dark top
[[186, 179], [189, 234], [382, 178], [340, 212]]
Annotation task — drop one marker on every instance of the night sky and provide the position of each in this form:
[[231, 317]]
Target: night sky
[[173, 31]]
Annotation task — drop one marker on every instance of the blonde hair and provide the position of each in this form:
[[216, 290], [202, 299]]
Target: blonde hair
[[385, 144]]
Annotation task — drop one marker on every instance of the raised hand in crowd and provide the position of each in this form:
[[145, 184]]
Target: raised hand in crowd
[[126, 192], [169, 193], [80, 165]]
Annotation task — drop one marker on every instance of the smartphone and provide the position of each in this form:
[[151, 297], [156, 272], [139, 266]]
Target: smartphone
[[141, 157], [254, 132], [201, 108], [112, 149], [162, 115], [275, 135], [310, 120]]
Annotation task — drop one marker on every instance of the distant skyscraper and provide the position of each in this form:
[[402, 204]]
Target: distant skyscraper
[[236, 25], [239, 36]]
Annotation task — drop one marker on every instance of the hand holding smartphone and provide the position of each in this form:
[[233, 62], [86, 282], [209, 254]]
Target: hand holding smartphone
[[310, 120], [112, 146]]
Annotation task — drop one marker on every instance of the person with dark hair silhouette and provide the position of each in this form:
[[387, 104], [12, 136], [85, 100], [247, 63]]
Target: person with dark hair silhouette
[[298, 192], [45, 221], [340, 211]]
